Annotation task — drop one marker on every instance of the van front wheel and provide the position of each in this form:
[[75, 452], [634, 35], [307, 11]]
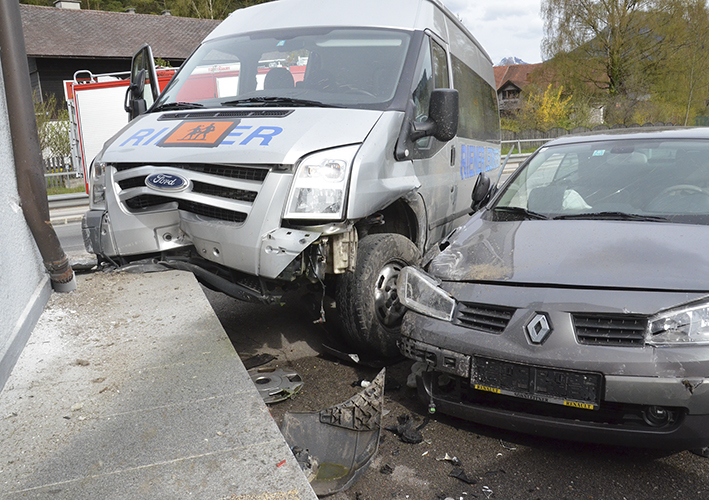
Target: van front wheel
[[367, 298]]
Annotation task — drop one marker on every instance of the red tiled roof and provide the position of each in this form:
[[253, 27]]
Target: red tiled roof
[[55, 32], [518, 74]]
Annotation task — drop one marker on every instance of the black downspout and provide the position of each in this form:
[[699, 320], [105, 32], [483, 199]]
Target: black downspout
[[29, 167]]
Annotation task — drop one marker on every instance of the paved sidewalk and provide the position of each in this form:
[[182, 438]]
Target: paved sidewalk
[[129, 389]]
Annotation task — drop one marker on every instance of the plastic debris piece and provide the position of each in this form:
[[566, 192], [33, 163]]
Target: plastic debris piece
[[282, 462], [386, 469], [342, 440], [308, 464], [416, 370], [424, 453], [406, 431], [454, 460], [258, 360], [487, 491], [507, 446], [276, 385], [459, 473]]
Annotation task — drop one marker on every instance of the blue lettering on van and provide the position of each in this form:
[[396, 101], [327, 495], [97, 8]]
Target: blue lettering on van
[[156, 135], [138, 136], [264, 133], [477, 159], [237, 132]]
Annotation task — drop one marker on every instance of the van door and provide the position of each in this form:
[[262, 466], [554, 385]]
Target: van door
[[432, 158]]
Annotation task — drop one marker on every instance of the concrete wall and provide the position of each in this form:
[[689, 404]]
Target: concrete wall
[[24, 285]]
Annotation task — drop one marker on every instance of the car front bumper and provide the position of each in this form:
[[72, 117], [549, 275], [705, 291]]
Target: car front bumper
[[635, 380]]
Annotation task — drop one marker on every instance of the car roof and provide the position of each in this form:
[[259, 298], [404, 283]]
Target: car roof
[[639, 133]]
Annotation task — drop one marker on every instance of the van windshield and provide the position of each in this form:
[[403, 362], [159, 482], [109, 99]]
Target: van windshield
[[320, 67]]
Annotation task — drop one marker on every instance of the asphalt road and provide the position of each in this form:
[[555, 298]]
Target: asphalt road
[[500, 465]]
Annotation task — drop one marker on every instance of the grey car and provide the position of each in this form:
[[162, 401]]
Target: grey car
[[574, 303]]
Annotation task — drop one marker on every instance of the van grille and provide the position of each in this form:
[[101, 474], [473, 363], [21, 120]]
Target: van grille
[[483, 317], [209, 196], [610, 329], [147, 201]]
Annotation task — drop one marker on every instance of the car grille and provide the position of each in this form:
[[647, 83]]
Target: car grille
[[611, 330], [209, 196], [483, 317]]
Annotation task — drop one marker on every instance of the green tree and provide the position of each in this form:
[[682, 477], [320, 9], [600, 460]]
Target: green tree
[[545, 109], [53, 127]]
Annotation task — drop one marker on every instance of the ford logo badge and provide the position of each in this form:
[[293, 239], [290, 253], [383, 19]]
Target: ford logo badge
[[166, 182]]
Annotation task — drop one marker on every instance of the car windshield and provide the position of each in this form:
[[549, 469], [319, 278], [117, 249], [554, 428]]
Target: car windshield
[[659, 180], [317, 67]]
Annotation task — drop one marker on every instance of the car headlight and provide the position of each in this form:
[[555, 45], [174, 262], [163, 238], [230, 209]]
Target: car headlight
[[421, 293], [97, 185], [319, 185], [688, 325]]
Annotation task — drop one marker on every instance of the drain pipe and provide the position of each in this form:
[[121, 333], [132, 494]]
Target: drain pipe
[[29, 167]]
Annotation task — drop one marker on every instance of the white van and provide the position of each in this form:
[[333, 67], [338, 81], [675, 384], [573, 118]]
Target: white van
[[303, 142]]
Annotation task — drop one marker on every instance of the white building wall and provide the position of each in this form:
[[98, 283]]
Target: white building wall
[[24, 284]]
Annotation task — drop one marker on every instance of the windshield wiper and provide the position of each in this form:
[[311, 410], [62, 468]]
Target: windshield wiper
[[265, 101], [523, 212], [612, 216], [178, 105]]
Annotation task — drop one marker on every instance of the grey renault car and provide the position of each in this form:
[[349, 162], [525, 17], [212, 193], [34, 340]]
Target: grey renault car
[[574, 303]]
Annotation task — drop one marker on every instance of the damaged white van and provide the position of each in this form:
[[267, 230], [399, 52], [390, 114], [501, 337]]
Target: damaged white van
[[303, 142]]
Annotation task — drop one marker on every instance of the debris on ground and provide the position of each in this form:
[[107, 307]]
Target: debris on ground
[[507, 446], [487, 491], [406, 431], [447, 458], [258, 360], [275, 384], [416, 370], [386, 469], [343, 439], [459, 473], [361, 383], [308, 464]]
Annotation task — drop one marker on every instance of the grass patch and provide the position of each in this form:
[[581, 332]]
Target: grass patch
[[65, 190]]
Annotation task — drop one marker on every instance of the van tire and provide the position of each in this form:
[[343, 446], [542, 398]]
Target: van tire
[[367, 301]]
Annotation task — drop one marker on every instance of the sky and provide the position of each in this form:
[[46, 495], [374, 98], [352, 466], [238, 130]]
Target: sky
[[504, 28]]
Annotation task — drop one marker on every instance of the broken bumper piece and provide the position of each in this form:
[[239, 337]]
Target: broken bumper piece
[[334, 446]]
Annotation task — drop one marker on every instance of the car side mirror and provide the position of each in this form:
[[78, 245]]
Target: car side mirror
[[482, 191], [442, 122]]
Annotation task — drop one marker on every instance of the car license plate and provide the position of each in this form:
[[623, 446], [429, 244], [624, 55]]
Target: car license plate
[[547, 385]]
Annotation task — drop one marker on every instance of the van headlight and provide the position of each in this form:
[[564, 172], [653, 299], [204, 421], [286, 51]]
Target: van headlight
[[687, 325], [319, 185], [420, 292], [97, 186]]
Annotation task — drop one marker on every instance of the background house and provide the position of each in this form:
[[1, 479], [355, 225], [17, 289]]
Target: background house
[[511, 82], [64, 39]]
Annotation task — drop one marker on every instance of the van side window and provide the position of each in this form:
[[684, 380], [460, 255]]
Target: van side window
[[478, 118]]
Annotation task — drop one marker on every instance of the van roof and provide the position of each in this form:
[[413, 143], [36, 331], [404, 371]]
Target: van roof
[[398, 14]]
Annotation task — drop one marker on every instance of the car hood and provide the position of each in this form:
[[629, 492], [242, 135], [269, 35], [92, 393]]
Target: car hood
[[578, 253], [275, 136]]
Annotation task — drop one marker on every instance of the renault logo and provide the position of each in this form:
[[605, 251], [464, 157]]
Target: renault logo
[[538, 329]]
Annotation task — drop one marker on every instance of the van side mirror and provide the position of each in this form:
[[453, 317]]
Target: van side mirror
[[442, 122], [143, 89], [482, 191], [134, 103]]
